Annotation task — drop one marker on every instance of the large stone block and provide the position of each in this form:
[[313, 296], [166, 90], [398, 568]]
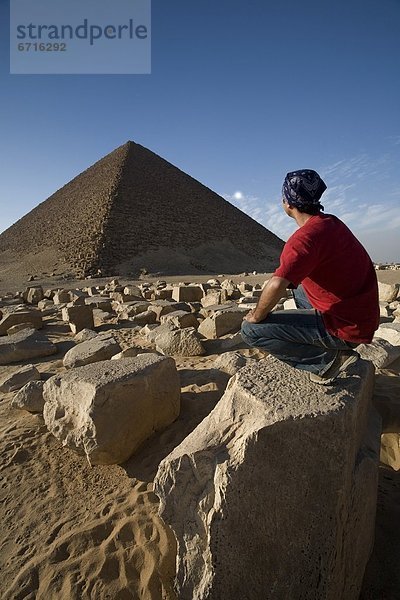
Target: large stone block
[[102, 347], [187, 293], [17, 317], [180, 319], [79, 317], [222, 322], [273, 495], [25, 345], [388, 292], [108, 409], [180, 342]]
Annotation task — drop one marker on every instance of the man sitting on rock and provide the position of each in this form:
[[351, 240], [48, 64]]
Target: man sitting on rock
[[337, 301]]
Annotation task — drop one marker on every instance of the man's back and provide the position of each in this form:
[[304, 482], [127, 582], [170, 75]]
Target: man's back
[[337, 275]]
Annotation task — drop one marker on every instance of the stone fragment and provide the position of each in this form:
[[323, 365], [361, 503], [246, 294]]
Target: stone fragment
[[61, 297], [180, 319], [99, 302], [390, 450], [91, 351], [222, 322], [19, 378], [380, 352], [180, 342], [231, 362], [30, 397], [79, 317], [128, 353], [84, 335], [19, 327], [187, 293], [384, 309], [273, 495], [25, 345], [389, 332], [289, 304], [108, 409], [34, 294], [16, 317], [388, 292]]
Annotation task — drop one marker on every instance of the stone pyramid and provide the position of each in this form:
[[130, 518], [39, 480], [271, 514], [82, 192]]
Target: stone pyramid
[[133, 210]]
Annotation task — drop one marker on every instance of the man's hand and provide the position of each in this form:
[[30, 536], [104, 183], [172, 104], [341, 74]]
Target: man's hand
[[251, 317], [273, 291]]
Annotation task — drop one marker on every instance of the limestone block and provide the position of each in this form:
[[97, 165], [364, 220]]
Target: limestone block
[[187, 293], [383, 309], [181, 342], [19, 378], [162, 307], [19, 327], [25, 345], [389, 332], [289, 304], [380, 352], [61, 297], [108, 409], [84, 335], [222, 322], [34, 294], [100, 302], [16, 317], [79, 317], [181, 319], [144, 318], [91, 351], [273, 495], [390, 450], [30, 397], [231, 362], [387, 291]]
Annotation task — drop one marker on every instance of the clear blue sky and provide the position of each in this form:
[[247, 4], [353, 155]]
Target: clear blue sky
[[240, 93]]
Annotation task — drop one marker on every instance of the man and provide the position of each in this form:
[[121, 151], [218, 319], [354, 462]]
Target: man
[[337, 301]]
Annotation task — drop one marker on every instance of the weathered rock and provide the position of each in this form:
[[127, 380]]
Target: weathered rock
[[187, 293], [222, 322], [388, 292], [128, 353], [214, 297], [181, 342], [380, 352], [144, 318], [181, 319], [100, 302], [162, 307], [273, 495], [34, 294], [108, 409], [16, 317], [390, 450], [84, 335], [389, 332], [19, 327], [79, 317], [231, 362], [25, 345], [91, 351], [225, 344], [30, 397], [384, 309], [289, 304], [131, 309], [19, 378], [61, 297]]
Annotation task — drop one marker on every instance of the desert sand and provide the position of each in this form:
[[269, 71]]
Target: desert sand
[[71, 531]]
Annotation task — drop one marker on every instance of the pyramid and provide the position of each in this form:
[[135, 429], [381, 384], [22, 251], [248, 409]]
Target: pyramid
[[133, 209]]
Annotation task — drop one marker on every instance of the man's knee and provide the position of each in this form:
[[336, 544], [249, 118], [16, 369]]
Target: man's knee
[[249, 333]]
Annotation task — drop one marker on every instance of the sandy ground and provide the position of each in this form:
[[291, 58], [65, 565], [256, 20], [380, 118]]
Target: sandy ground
[[74, 532]]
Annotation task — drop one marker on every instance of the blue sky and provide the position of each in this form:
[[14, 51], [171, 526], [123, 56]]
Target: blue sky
[[240, 93]]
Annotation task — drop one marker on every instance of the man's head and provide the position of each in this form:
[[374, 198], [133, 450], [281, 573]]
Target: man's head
[[302, 190]]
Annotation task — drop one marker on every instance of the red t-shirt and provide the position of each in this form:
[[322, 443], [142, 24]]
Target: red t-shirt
[[337, 275]]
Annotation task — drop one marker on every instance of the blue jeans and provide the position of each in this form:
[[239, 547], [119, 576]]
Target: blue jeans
[[297, 337]]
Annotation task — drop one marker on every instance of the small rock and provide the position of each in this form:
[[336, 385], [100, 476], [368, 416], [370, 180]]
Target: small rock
[[30, 397], [181, 342], [19, 378]]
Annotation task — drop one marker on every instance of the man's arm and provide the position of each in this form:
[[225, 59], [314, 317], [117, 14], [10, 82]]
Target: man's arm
[[273, 291]]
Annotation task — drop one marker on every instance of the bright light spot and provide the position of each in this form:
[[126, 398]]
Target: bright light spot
[[238, 196]]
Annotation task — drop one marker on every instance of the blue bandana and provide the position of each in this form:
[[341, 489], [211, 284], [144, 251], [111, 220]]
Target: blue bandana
[[303, 188]]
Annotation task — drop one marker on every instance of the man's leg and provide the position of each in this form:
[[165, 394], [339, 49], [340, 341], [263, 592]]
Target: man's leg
[[297, 337]]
